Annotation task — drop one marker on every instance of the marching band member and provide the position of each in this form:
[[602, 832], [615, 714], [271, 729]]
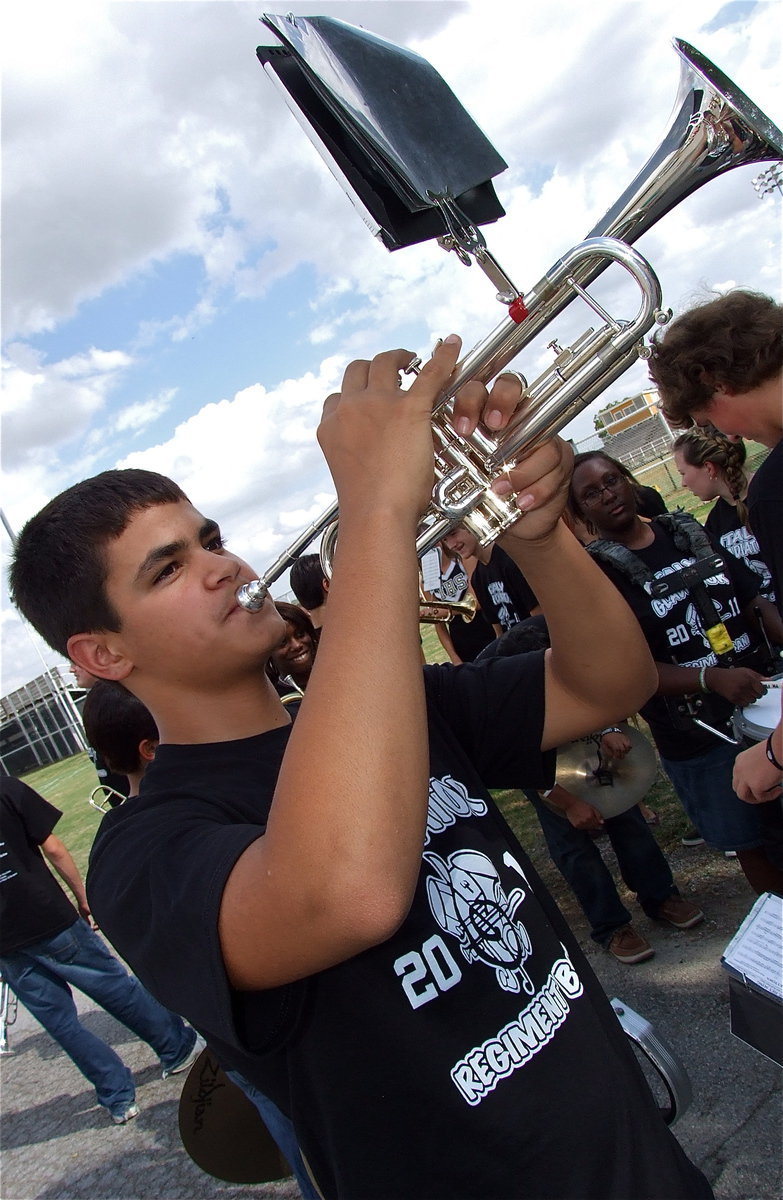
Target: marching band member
[[338, 906]]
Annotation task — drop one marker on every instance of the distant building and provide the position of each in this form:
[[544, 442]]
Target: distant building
[[40, 723], [633, 430]]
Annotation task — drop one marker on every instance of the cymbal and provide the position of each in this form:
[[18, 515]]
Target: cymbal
[[624, 781], [223, 1131]]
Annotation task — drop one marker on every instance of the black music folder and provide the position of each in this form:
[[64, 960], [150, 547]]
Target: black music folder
[[754, 961], [388, 126]]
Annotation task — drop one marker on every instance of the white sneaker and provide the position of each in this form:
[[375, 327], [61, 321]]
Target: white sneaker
[[187, 1061], [128, 1114]]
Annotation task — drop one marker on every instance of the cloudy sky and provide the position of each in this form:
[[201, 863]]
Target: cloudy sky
[[184, 281]]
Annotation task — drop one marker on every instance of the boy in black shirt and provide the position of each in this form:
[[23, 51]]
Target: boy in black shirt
[[425, 1019], [722, 364], [46, 945], [503, 593]]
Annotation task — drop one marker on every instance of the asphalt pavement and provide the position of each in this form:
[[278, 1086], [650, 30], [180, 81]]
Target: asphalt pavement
[[58, 1144]]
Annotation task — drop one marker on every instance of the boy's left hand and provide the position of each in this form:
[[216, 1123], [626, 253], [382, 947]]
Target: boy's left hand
[[539, 480], [540, 483]]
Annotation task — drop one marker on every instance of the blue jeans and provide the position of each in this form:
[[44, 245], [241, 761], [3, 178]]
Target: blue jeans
[[642, 865], [703, 785], [40, 974], [281, 1129]]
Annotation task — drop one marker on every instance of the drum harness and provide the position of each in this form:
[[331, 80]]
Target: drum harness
[[689, 538]]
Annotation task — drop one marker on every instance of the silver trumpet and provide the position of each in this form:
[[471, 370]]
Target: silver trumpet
[[715, 127]]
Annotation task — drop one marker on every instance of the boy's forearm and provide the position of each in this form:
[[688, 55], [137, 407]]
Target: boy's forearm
[[364, 716], [66, 868], [349, 811], [599, 652]]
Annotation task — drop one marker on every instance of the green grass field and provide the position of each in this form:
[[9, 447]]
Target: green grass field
[[67, 785]]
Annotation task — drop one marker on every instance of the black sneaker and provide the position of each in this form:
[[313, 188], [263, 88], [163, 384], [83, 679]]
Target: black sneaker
[[692, 837]]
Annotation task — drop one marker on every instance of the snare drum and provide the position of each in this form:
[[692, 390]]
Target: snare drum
[[756, 722]]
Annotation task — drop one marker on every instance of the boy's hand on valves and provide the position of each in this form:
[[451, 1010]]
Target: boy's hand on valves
[[377, 437]]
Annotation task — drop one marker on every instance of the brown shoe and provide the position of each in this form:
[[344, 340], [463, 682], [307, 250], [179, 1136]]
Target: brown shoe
[[680, 913], [628, 946]]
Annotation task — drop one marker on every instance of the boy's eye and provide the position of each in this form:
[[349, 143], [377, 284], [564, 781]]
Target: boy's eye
[[216, 542], [166, 572]]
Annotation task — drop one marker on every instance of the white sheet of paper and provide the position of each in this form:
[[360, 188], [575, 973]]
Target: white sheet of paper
[[756, 950], [430, 570]]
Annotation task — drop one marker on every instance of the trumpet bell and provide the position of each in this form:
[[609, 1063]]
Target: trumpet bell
[[714, 128], [440, 612]]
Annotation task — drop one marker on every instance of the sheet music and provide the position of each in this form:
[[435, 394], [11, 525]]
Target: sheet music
[[756, 951], [430, 570]]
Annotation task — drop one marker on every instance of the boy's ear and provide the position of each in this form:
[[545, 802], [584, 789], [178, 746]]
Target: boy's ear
[[91, 652], [147, 748]]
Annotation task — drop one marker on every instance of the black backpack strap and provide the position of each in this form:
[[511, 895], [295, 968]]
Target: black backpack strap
[[687, 534], [622, 559]]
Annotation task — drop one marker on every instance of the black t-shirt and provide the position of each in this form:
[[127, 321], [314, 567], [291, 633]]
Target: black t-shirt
[[504, 594], [674, 633], [32, 903], [765, 515], [471, 1055], [724, 525], [468, 637]]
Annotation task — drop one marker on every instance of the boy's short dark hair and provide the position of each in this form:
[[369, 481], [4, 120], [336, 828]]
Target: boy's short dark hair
[[523, 638], [58, 571], [307, 581], [736, 340], [115, 722]]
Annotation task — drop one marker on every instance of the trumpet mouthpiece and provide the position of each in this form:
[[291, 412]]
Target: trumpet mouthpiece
[[251, 596]]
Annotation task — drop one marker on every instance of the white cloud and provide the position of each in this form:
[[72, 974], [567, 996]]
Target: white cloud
[[50, 405], [250, 459], [136, 417]]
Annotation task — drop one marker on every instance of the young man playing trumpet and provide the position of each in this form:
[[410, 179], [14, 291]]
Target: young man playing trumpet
[[338, 906]]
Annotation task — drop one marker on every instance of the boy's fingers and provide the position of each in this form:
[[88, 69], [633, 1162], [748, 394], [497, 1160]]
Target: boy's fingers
[[495, 407], [469, 404], [355, 375], [437, 371], [330, 404], [505, 397], [384, 370], [538, 477]]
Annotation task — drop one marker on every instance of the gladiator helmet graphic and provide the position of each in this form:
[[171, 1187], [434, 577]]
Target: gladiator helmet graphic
[[468, 902]]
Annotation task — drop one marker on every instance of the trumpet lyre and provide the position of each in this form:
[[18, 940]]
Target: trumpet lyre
[[715, 127]]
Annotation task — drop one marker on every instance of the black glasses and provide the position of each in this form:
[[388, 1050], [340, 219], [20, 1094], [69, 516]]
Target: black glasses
[[592, 495]]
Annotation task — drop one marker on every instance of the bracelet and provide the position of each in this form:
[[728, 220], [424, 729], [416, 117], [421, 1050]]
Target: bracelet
[[771, 755], [702, 680], [610, 729]]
